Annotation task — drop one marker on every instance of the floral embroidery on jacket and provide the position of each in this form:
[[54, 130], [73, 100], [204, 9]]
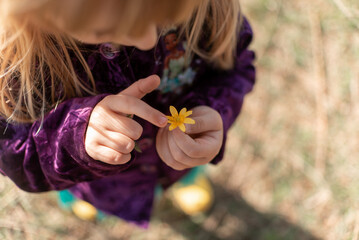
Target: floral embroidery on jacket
[[177, 71]]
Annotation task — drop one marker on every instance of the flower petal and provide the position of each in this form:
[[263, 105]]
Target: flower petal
[[189, 121], [173, 111], [172, 126], [183, 111], [170, 119], [182, 127], [188, 113]]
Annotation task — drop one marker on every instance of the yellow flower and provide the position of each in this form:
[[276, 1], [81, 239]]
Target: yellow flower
[[178, 120]]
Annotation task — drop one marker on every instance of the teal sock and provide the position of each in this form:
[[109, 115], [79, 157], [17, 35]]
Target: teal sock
[[192, 175], [66, 199]]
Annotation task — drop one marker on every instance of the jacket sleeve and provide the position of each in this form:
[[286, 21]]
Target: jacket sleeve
[[224, 91], [50, 154]]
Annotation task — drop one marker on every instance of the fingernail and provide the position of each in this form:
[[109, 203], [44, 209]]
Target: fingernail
[[162, 121]]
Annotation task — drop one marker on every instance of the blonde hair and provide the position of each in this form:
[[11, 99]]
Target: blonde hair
[[35, 62]]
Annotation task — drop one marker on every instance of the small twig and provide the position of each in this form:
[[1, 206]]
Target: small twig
[[346, 12], [10, 226], [341, 6], [356, 228], [320, 77], [10, 197], [29, 234]]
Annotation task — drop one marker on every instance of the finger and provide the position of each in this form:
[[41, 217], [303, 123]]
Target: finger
[[131, 105], [103, 120], [124, 125], [110, 156], [204, 123], [202, 146], [143, 86], [164, 153], [181, 156], [116, 141]]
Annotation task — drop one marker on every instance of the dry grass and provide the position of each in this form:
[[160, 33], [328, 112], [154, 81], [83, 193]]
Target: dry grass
[[291, 170]]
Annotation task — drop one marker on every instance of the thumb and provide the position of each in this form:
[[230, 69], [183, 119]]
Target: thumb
[[143, 86]]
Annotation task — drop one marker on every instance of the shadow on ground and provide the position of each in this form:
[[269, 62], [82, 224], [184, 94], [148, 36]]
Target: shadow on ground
[[231, 218]]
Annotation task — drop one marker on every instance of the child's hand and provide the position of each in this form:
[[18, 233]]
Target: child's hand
[[111, 132], [199, 145]]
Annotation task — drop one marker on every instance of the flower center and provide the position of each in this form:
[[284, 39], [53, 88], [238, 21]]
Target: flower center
[[179, 119]]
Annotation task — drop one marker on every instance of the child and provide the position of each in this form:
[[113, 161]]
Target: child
[[79, 93]]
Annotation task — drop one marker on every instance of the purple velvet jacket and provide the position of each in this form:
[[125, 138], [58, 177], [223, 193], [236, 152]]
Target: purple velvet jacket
[[54, 158]]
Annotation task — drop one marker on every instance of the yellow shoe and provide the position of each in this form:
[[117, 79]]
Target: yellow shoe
[[195, 198], [84, 210]]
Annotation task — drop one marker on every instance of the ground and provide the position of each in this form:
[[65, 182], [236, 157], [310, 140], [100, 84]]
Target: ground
[[291, 168]]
